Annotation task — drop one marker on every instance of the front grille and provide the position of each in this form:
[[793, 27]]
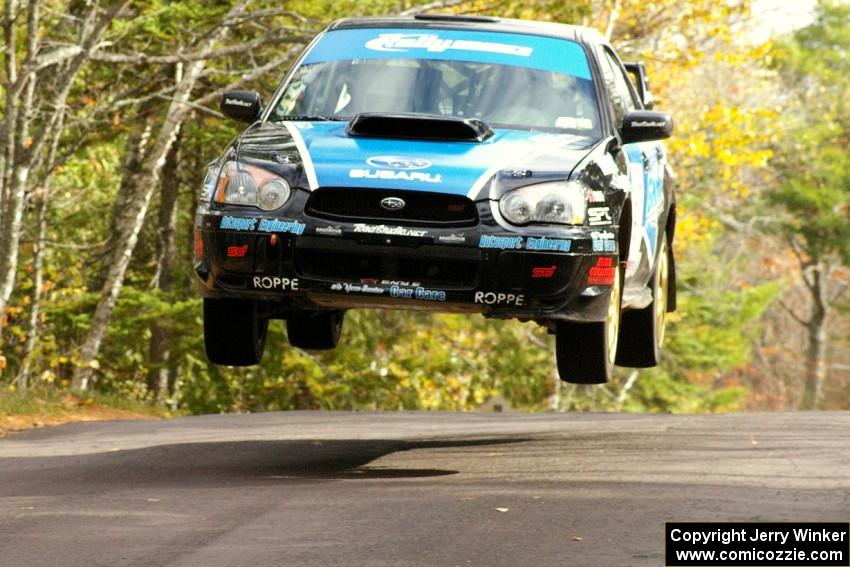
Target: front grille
[[421, 207], [447, 267]]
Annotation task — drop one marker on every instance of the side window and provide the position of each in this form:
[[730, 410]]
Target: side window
[[622, 98]]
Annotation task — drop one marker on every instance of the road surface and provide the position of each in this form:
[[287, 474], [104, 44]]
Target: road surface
[[407, 489]]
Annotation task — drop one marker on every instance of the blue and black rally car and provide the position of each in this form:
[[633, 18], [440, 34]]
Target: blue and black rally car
[[445, 163]]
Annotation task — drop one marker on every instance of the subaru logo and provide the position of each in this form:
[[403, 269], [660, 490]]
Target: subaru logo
[[393, 203], [397, 162]]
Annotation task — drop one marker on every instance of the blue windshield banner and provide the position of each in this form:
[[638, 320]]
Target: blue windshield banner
[[532, 51]]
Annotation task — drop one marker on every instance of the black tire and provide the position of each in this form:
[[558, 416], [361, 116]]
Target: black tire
[[642, 330], [234, 333], [315, 330], [585, 351]]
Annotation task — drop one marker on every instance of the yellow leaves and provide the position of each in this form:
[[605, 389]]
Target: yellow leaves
[[693, 229], [723, 145]]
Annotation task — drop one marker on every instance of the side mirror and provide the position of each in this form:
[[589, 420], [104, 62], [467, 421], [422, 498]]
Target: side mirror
[[244, 106], [641, 79], [646, 126]]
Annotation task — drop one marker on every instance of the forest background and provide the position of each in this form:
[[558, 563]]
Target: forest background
[[109, 117]]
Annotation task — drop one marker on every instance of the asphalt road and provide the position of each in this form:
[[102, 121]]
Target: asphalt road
[[407, 489]]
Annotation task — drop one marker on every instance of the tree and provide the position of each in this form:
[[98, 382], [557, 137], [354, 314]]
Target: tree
[[812, 192]]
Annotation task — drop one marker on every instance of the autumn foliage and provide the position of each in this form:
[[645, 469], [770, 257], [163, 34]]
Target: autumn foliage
[[107, 128]]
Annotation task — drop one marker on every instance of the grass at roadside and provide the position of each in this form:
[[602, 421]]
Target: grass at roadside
[[39, 408]]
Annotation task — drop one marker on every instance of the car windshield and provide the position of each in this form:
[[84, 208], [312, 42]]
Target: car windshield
[[506, 80]]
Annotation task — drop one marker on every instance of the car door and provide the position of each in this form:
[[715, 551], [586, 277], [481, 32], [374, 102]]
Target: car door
[[645, 172]]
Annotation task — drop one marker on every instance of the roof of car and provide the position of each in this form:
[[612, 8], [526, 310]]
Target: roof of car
[[482, 23]]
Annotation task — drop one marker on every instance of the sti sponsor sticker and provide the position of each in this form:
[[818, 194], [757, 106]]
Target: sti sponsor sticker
[[603, 241], [329, 230], [500, 242], [237, 251], [400, 283], [452, 238], [542, 272], [388, 230], [595, 197], [598, 216], [357, 288]]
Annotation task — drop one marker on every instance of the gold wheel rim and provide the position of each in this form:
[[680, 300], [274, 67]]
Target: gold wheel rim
[[612, 320], [662, 275]]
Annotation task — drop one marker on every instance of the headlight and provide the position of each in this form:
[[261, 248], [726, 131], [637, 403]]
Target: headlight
[[560, 202], [243, 184]]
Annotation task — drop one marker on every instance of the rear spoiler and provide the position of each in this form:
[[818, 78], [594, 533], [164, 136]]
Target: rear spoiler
[[419, 127]]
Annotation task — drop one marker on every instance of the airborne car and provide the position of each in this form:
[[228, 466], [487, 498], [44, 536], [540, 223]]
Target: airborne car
[[445, 163]]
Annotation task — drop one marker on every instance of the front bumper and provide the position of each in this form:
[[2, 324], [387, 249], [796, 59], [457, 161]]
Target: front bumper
[[302, 262]]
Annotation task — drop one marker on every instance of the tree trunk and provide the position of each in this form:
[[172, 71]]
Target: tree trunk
[[816, 351], [612, 19], [141, 186], [23, 154], [38, 262], [8, 252], [137, 145], [158, 378]]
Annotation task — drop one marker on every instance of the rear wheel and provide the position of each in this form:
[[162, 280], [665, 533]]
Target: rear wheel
[[642, 330], [586, 351], [315, 330], [234, 333]]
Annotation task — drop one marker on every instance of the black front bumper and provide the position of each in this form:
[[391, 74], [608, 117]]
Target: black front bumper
[[304, 262]]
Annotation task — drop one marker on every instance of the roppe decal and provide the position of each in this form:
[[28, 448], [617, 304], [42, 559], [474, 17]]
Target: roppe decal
[[499, 298], [274, 282]]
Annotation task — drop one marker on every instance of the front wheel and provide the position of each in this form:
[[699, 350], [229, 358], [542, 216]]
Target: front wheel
[[585, 351], [642, 330], [315, 330], [234, 333]]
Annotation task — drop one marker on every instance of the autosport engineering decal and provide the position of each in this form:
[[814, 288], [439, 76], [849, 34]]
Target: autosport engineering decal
[[228, 222]]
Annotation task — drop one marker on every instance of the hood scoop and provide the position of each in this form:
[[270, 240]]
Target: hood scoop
[[419, 127]]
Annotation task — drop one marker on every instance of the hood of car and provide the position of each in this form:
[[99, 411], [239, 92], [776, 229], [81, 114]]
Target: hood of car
[[331, 157]]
